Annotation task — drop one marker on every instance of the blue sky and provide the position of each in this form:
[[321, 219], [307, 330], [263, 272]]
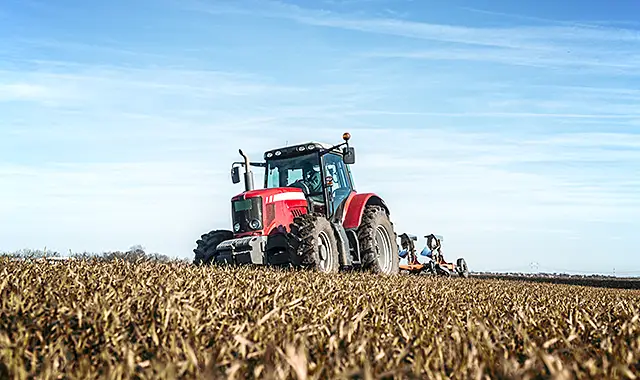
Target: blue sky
[[511, 128]]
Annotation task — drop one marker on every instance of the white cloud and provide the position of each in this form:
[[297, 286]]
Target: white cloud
[[111, 206], [118, 86], [499, 114], [582, 57], [25, 91]]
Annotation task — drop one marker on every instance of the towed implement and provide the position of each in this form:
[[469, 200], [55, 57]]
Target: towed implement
[[436, 263], [307, 215]]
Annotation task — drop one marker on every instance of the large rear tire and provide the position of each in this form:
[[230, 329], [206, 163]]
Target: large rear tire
[[205, 250], [378, 242], [318, 247]]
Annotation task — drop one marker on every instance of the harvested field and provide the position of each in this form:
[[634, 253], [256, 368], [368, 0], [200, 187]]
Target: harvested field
[[150, 320]]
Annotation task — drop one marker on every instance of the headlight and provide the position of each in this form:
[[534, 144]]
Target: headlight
[[236, 227], [254, 224]]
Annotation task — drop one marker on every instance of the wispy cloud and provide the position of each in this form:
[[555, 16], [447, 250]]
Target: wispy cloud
[[569, 57], [205, 82], [52, 44], [25, 91], [448, 33], [514, 37], [555, 44], [500, 114]]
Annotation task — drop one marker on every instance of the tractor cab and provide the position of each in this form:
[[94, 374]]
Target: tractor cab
[[319, 170]]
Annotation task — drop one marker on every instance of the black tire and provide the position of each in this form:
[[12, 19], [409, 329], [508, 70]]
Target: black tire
[[206, 246], [442, 271], [376, 229], [307, 233], [461, 265]]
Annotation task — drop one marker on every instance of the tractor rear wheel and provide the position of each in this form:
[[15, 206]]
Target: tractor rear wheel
[[318, 247], [378, 241], [206, 246]]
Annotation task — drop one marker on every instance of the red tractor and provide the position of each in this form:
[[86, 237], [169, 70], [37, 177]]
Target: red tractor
[[308, 215]]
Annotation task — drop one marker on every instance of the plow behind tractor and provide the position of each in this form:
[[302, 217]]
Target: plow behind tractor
[[435, 264]]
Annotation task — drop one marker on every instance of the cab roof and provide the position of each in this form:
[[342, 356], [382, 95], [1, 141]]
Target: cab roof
[[298, 150]]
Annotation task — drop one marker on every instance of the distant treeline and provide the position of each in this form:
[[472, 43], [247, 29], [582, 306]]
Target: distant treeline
[[135, 253]]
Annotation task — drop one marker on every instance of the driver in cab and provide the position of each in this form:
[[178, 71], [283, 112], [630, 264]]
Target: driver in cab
[[313, 179]]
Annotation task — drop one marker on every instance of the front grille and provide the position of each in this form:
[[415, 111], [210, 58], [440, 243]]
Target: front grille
[[244, 211]]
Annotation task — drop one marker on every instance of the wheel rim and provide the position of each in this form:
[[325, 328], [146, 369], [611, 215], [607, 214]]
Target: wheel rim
[[324, 252], [383, 249]]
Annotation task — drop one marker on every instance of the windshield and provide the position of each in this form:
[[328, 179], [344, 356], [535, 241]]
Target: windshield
[[287, 172]]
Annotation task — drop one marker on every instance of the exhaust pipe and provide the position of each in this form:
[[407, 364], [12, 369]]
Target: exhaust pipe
[[248, 174]]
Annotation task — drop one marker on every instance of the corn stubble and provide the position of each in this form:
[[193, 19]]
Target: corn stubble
[[150, 320]]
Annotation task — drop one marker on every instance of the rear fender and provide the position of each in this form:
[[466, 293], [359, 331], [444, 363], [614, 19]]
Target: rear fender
[[355, 206]]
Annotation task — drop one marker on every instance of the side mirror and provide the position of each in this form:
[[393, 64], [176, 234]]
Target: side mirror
[[349, 155], [235, 174]]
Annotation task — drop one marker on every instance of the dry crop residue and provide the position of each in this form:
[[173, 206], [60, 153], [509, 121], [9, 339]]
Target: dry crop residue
[[149, 320]]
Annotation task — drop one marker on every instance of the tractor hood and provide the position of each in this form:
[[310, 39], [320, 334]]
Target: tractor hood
[[275, 194], [259, 212]]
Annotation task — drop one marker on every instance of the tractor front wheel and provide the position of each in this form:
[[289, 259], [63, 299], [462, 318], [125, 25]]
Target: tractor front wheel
[[318, 247], [206, 246], [377, 240]]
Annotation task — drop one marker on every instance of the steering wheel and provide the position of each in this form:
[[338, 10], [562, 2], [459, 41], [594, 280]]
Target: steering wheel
[[302, 185], [306, 190]]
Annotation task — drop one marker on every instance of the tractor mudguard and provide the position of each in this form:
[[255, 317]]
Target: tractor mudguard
[[355, 208]]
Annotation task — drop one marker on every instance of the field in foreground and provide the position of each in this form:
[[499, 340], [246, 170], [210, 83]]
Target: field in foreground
[[152, 320]]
